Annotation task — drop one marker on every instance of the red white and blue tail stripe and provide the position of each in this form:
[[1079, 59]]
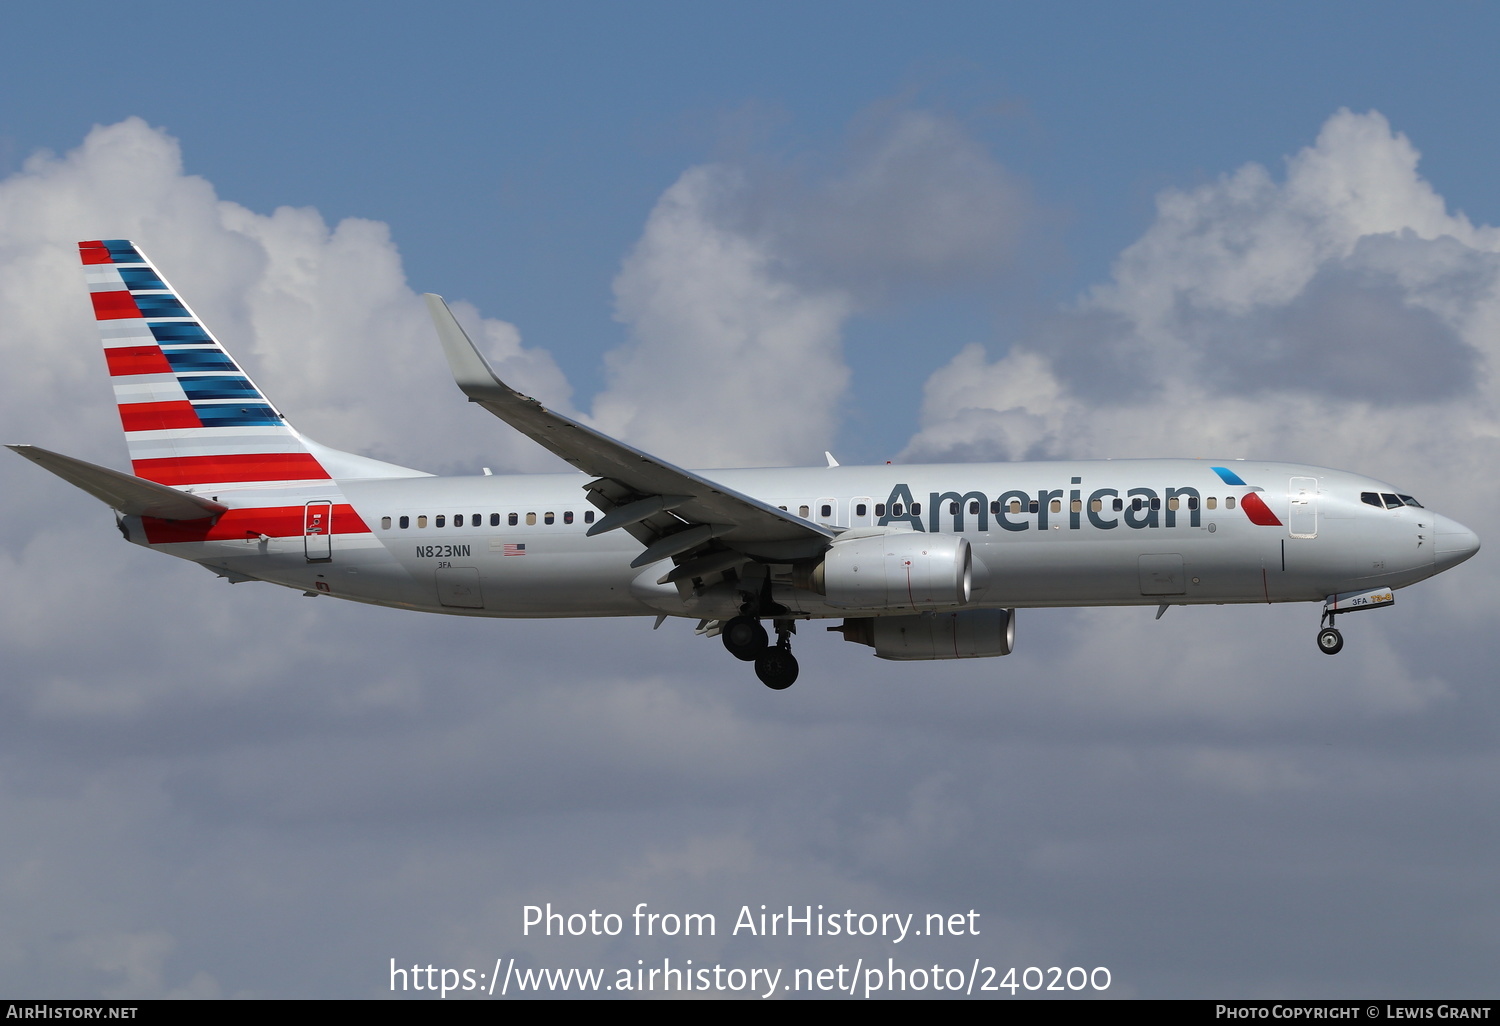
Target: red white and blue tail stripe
[[191, 416]]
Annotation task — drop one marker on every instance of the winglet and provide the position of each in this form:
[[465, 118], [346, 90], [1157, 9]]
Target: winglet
[[471, 372]]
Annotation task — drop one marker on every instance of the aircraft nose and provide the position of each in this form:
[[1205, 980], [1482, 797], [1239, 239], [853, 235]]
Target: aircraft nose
[[1455, 543]]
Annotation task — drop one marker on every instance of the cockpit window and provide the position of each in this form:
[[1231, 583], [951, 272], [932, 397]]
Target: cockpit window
[[1385, 500]]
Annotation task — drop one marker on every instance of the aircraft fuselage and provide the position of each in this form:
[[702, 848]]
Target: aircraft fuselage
[[1043, 534]]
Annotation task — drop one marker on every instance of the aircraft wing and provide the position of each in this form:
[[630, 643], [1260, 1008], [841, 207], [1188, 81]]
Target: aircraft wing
[[674, 511], [133, 496]]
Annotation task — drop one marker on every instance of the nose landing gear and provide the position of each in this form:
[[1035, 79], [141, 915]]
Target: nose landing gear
[[1330, 641]]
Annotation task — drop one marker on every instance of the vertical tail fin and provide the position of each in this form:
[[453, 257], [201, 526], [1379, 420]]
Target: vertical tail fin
[[191, 415]]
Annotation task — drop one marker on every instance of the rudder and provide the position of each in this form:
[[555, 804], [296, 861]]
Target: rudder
[[191, 416]]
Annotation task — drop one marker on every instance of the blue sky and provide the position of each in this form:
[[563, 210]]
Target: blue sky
[[516, 150], [741, 234]]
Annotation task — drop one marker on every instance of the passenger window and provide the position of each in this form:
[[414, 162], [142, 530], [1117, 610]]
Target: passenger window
[[916, 509], [1136, 504], [548, 517], [826, 510], [1212, 502], [494, 519], [1229, 502], [568, 517], [531, 520], [385, 523], [1032, 506], [422, 520], [1192, 502], [1119, 505], [995, 507], [896, 508], [458, 520], [880, 509], [953, 509], [1174, 503], [405, 522], [477, 520], [1096, 505], [1076, 506], [861, 510], [1155, 503], [1015, 505], [513, 519], [1056, 505], [438, 520], [804, 511], [973, 507], [782, 508], [588, 516]]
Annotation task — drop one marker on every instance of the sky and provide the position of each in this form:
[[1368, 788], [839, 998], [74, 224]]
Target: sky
[[739, 235]]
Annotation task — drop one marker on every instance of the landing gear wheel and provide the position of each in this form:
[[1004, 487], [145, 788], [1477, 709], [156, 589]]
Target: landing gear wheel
[[744, 637], [777, 668], [1330, 641]]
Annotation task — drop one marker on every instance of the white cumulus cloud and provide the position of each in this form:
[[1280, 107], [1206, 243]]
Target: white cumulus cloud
[[1339, 315], [739, 292]]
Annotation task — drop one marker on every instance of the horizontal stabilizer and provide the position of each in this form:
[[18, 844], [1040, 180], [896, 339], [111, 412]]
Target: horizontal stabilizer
[[130, 495]]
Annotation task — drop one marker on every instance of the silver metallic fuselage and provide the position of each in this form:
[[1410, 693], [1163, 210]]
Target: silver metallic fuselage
[[1065, 546]]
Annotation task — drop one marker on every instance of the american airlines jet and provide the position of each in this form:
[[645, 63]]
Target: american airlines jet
[[917, 562]]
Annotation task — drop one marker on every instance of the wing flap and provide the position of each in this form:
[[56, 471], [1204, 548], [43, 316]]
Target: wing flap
[[635, 512]]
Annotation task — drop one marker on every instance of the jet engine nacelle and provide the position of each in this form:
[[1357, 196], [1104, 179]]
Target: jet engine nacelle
[[965, 634], [895, 570]]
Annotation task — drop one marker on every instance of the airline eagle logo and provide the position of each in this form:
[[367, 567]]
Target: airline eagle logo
[[1254, 506]]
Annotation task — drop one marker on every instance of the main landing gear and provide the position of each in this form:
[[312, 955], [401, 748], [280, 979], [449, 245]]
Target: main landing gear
[[775, 665], [744, 637], [1330, 641]]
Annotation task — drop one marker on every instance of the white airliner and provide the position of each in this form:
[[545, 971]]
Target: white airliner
[[919, 562]]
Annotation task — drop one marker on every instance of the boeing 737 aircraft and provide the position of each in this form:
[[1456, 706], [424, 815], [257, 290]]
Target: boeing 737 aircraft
[[919, 562]]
